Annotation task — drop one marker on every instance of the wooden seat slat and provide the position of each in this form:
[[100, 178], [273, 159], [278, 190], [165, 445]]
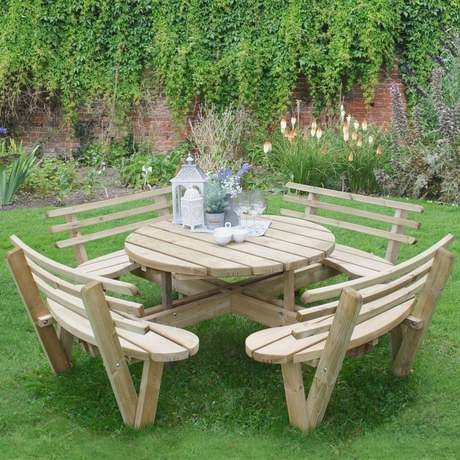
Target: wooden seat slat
[[364, 332], [80, 327]]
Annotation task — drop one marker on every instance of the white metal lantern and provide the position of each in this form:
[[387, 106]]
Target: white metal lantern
[[192, 209], [190, 176]]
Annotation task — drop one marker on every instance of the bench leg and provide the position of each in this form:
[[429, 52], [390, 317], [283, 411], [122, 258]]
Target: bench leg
[[148, 393], [55, 352], [112, 354], [332, 357], [295, 395], [423, 310]]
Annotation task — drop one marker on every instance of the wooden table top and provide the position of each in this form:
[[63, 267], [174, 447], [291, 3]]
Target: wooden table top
[[288, 244]]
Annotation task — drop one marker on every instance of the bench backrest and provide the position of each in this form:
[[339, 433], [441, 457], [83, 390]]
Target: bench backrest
[[58, 281], [101, 212], [387, 290], [311, 197]]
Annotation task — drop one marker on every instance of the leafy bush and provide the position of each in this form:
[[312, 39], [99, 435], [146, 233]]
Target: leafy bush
[[53, 177], [12, 176], [426, 153], [145, 170]]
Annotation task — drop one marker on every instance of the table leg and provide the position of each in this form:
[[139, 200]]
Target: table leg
[[289, 290], [166, 289]]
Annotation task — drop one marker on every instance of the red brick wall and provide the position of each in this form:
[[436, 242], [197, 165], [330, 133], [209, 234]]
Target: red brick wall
[[153, 123], [379, 112]]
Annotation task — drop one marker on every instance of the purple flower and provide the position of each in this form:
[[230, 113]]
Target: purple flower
[[224, 173], [244, 169], [3, 130]]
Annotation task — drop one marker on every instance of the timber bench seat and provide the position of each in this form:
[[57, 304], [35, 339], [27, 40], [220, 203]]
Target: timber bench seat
[[352, 317], [351, 260], [83, 228], [66, 305]]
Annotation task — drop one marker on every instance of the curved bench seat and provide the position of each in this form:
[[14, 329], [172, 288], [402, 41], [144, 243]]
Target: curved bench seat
[[356, 263], [111, 265], [160, 343], [280, 345]]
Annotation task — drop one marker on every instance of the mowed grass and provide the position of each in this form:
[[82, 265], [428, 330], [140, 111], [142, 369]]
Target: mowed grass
[[220, 404]]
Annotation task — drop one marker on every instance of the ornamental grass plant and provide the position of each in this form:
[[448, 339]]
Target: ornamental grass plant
[[347, 156]]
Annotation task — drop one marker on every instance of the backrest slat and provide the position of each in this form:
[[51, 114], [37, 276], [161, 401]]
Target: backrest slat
[[350, 226], [355, 197], [78, 224], [109, 202], [76, 220], [120, 287], [399, 221], [352, 211], [417, 262], [105, 233]]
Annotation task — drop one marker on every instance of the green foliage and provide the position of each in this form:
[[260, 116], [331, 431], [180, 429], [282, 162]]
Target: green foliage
[[426, 153], [215, 198], [248, 53], [53, 177], [143, 169], [12, 176]]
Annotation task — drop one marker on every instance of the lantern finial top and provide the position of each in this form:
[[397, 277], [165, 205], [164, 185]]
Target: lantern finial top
[[190, 173]]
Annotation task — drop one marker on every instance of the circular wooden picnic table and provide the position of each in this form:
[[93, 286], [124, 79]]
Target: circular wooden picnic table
[[287, 245]]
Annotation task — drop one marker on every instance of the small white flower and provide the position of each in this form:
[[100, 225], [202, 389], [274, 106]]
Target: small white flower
[[267, 147], [293, 121], [283, 124], [370, 139], [356, 125], [349, 118], [319, 133]]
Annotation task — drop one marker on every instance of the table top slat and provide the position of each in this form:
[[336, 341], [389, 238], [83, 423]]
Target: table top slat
[[288, 244], [215, 265]]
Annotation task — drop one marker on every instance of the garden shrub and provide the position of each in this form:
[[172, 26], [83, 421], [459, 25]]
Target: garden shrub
[[426, 152], [53, 177]]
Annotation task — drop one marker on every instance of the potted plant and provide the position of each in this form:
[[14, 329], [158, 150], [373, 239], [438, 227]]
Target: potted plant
[[214, 202]]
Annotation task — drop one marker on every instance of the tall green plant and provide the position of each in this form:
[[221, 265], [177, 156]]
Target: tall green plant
[[14, 175]]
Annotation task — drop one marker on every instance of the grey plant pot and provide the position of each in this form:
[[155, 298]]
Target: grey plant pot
[[214, 220]]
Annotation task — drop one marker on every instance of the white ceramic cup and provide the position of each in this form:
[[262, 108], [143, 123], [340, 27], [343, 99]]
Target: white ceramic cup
[[223, 235], [239, 234]]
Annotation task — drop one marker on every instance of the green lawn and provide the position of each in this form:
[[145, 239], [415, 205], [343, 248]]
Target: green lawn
[[220, 404]]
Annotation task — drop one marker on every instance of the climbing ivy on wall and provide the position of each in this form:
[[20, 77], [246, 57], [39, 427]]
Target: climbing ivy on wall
[[246, 52]]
